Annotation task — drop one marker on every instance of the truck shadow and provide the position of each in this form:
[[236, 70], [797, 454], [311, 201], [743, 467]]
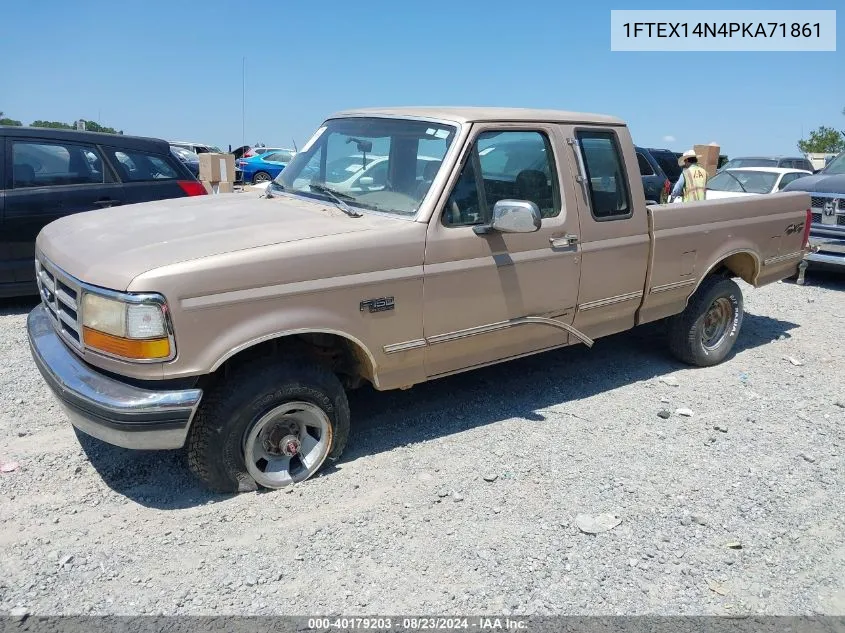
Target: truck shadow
[[382, 421], [522, 387], [828, 279]]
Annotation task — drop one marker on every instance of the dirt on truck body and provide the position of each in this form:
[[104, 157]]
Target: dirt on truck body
[[398, 246]]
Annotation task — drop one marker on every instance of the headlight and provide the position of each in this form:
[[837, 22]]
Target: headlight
[[133, 329]]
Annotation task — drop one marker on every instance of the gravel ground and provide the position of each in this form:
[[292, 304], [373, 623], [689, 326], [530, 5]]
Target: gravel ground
[[465, 495]]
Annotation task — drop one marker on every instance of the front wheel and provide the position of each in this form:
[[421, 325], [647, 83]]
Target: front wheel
[[706, 331], [261, 176], [269, 426]]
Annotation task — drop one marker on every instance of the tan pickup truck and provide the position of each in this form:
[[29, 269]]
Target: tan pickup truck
[[398, 246]]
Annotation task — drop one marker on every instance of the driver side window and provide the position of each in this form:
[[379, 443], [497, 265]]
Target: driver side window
[[504, 165]]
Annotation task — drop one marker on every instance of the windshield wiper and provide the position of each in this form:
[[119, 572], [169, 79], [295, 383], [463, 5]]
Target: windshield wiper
[[338, 196], [737, 179]]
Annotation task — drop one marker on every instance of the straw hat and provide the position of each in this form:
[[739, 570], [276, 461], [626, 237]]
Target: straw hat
[[687, 154]]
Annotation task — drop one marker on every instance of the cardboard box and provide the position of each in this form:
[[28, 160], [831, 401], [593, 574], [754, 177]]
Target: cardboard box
[[708, 157], [213, 188], [217, 167]]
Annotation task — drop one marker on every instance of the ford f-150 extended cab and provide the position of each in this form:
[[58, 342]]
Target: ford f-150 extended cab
[[233, 326]]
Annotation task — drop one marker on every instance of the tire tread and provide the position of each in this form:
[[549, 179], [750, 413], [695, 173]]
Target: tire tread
[[222, 401], [683, 334]]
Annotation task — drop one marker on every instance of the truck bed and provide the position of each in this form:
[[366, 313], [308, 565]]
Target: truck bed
[[759, 238]]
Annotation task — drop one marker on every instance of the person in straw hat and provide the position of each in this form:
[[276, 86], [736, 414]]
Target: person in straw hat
[[693, 178]]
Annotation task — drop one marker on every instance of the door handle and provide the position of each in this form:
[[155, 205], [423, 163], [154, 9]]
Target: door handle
[[566, 240], [106, 202]]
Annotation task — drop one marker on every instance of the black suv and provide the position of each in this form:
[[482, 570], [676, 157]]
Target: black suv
[[654, 177], [47, 173]]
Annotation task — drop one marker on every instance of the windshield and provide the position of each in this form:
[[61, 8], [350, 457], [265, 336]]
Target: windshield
[[743, 181], [185, 154], [375, 163], [836, 166]]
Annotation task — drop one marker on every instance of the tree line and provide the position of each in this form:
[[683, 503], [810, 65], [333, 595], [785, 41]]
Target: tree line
[[824, 140], [90, 126]]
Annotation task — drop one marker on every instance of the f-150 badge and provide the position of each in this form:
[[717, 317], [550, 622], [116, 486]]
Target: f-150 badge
[[382, 304]]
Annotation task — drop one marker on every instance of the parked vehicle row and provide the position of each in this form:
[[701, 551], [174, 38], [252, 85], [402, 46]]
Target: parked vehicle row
[[748, 181], [47, 174], [786, 162], [263, 166], [189, 159]]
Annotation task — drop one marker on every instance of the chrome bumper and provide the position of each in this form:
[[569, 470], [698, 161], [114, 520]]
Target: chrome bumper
[[108, 409], [827, 250]]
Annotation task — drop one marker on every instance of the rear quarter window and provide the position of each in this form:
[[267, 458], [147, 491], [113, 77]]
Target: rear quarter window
[[645, 166], [135, 166]]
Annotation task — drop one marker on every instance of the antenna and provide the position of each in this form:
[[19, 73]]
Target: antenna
[[295, 148], [243, 101]]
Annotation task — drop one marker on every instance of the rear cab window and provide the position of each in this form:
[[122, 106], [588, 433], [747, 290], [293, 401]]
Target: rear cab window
[[607, 181], [137, 166]]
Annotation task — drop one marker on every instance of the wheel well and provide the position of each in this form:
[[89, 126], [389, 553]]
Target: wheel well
[[344, 357], [743, 265]]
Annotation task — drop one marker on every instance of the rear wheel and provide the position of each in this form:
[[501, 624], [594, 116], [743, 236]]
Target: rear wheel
[[261, 176], [706, 331], [268, 426]]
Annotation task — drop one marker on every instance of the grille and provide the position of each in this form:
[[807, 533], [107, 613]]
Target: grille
[[818, 202], [59, 295]]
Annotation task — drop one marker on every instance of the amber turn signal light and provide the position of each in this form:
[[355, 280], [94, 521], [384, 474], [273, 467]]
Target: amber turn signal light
[[146, 349]]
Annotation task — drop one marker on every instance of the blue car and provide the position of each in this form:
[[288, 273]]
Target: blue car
[[262, 167]]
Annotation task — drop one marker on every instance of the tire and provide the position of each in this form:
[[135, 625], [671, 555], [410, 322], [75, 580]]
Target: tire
[[692, 339], [261, 176], [258, 401]]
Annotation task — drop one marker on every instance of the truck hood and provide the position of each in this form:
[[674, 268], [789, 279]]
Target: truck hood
[[820, 183], [110, 247]]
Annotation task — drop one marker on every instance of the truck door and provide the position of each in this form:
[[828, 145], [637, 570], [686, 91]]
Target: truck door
[[615, 242], [50, 179], [482, 290]]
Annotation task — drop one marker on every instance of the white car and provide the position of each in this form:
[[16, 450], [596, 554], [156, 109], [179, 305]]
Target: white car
[[349, 174], [747, 181]]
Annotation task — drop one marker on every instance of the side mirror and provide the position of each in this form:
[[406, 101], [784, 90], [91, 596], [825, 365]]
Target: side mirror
[[513, 216]]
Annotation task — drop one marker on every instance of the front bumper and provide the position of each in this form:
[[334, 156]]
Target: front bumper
[[108, 409], [828, 250]]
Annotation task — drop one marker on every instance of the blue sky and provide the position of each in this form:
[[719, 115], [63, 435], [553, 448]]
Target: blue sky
[[174, 69]]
